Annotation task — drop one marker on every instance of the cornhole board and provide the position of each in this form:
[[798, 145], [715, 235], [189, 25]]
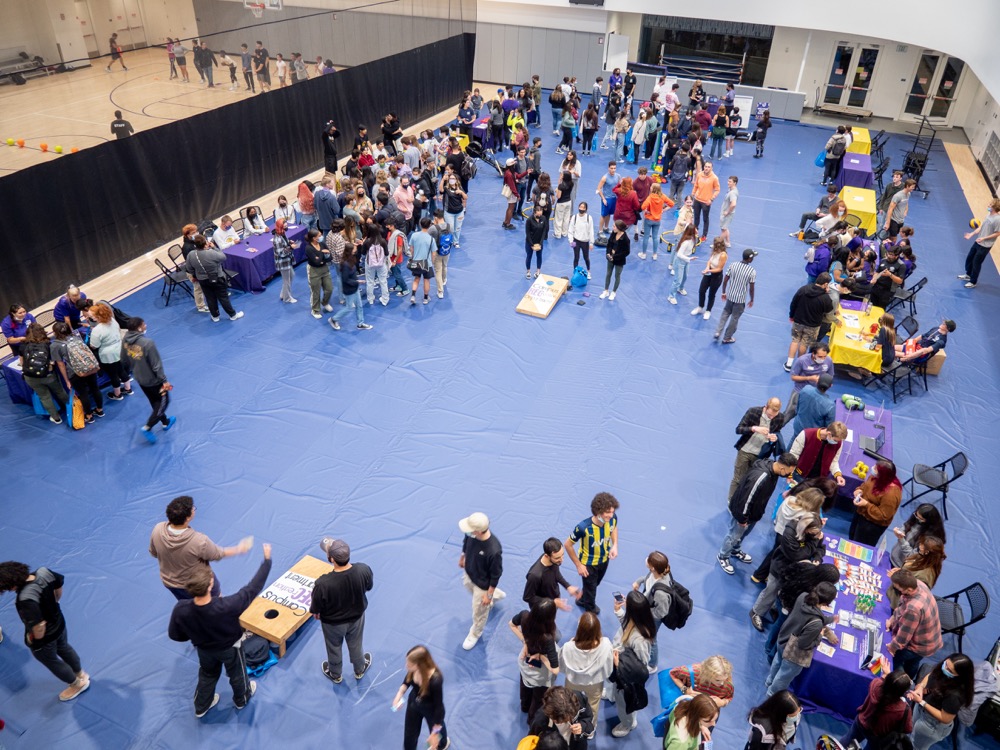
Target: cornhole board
[[542, 296], [283, 607]]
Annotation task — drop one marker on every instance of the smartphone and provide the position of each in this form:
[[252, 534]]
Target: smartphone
[[619, 597]]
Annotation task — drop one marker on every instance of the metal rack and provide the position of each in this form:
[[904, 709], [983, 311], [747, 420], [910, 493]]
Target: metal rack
[[915, 160]]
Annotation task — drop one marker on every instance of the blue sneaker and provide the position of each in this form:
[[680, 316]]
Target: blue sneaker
[[170, 423], [148, 434]]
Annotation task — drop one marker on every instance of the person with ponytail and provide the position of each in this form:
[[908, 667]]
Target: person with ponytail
[[883, 712], [875, 503], [799, 637]]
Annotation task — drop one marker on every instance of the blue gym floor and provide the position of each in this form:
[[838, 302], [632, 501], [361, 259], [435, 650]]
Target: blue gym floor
[[289, 431]]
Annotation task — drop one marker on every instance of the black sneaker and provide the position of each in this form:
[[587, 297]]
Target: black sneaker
[[99, 412], [334, 324], [88, 418], [53, 420], [368, 663], [253, 689], [113, 397], [756, 622], [326, 671], [788, 367], [129, 392], [364, 327]]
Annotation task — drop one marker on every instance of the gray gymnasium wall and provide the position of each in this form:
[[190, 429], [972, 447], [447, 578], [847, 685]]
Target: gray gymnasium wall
[[512, 54], [353, 38]]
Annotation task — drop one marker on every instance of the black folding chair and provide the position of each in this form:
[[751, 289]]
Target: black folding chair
[[239, 225], [853, 220], [952, 614], [910, 327], [907, 297], [175, 254], [893, 376], [936, 479], [172, 280]]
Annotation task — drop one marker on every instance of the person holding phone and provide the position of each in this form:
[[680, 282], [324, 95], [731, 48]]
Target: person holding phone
[[425, 702], [565, 712], [632, 645], [538, 661]]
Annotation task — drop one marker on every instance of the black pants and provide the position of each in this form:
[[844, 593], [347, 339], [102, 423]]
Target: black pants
[[595, 574], [864, 531], [115, 372], [211, 662], [88, 391], [764, 569], [710, 283], [581, 247], [159, 402], [701, 210], [831, 168], [567, 138], [217, 293], [59, 658], [248, 77], [416, 713], [531, 700], [496, 137], [650, 144]]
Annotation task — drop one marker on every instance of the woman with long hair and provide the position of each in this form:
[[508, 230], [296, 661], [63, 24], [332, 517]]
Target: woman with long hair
[[712, 677], [711, 278], [774, 722], [284, 259], [939, 696], [318, 273], [426, 700], [691, 723], [627, 206], [925, 521], [681, 260], [798, 579], [636, 636], [799, 637], [587, 660], [925, 564], [791, 508], [85, 385], [566, 125], [564, 204], [544, 197], [618, 248], [652, 214], [838, 213], [655, 586], [590, 123], [883, 712], [538, 661], [639, 135], [106, 341], [760, 134], [36, 348], [571, 164], [875, 503], [307, 204], [801, 541], [719, 126]]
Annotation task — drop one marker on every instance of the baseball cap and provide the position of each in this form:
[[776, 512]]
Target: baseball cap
[[336, 550], [475, 522], [825, 380], [749, 254], [511, 162]]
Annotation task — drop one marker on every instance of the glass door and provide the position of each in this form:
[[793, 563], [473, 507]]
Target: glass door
[[934, 87], [947, 87], [921, 88], [851, 75]]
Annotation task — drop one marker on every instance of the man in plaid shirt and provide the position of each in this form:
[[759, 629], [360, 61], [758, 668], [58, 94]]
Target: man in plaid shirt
[[915, 627]]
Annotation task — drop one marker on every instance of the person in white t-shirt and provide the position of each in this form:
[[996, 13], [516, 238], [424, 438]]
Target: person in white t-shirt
[[281, 68], [225, 235]]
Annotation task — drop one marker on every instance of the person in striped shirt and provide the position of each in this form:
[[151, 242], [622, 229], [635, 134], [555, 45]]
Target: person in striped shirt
[[737, 291], [597, 538]]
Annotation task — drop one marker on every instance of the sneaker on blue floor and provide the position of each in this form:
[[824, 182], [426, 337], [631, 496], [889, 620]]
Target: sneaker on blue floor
[[368, 663], [171, 421], [742, 556], [336, 679], [726, 565], [215, 701], [148, 434], [756, 622], [253, 689]]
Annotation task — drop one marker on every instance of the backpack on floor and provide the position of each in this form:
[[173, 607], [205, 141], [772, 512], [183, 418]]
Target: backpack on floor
[[81, 358], [37, 362], [579, 277], [74, 412]]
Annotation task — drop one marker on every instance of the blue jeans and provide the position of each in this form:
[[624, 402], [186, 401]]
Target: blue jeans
[[396, 274], [782, 674], [619, 146], [353, 300], [908, 661], [338, 283], [717, 147], [734, 538], [680, 274], [309, 220], [455, 220], [771, 643], [208, 75], [650, 229], [556, 118], [927, 730]]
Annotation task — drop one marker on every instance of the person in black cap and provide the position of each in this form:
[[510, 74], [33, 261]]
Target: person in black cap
[[339, 602], [737, 293]]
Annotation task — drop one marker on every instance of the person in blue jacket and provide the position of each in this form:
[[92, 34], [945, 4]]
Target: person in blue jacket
[[815, 408]]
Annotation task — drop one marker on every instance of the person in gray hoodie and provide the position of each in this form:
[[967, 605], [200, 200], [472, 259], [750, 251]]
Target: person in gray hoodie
[[143, 358], [206, 264], [798, 638]]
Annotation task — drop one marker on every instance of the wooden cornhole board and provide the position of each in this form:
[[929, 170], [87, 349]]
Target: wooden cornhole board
[[542, 296], [289, 596]]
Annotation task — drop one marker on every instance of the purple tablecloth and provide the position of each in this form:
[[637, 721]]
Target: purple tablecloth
[[835, 684], [852, 452], [856, 171], [253, 258]]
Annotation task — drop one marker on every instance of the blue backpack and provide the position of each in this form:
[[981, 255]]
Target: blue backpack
[[579, 277], [445, 241]]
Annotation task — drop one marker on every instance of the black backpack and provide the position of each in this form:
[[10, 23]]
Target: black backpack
[[680, 603], [469, 168], [256, 650], [37, 362], [839, 147]]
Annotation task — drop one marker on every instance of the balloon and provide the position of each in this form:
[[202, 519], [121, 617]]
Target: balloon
[[58, 149], [44, 147], [20, 142]]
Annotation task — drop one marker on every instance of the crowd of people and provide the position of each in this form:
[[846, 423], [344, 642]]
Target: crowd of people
[[400, 201]]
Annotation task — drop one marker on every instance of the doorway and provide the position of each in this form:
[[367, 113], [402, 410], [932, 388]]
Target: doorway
[[851, 74], [934, 88]]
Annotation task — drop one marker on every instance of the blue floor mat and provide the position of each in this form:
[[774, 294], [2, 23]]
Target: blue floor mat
[[289, 431]]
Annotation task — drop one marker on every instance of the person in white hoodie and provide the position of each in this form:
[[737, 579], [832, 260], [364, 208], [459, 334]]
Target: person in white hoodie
[[587, 660], [581, 237]]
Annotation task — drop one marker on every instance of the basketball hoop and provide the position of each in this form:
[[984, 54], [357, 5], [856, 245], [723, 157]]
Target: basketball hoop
[[257, 9]]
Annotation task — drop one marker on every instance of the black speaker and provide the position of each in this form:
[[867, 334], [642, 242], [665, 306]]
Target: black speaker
[[595, 3]]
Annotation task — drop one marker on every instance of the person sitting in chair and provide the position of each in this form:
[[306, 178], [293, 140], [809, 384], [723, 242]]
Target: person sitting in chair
[[922, 349], [254, 222], [225, 235]]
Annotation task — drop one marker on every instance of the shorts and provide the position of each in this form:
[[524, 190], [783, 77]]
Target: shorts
[[894, 227], [725, 221], [608, 209], [423, 273], [182, 61], [804, 335]]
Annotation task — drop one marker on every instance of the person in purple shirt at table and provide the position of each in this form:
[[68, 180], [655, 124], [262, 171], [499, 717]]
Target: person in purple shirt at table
[[66, 309], [15, 327], [807, 369]]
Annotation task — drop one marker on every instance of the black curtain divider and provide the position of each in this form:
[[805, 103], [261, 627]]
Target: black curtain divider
[[82, 215]]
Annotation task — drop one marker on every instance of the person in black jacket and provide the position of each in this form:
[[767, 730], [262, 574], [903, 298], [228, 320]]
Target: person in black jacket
[[339, 602], [329, 139], [760, 435], [747, 505], [425, 702], [213, 626], [534, 236], [801, 541], [563, 709], [544, 578], [806, 312], [618, 249]]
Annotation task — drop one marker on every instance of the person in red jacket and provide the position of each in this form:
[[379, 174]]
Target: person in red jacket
[[883, 711], [818, 451], [510, 179], [627, 205]]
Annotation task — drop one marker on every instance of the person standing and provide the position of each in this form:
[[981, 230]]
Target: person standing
[[144, 361], [898, 208], [760, 134], [339, 601], [809, 306], [348, 271], [37, 602], [652, 213], [426, 700], [40, 374], [422, 248], [212, 624], [729, 208], [482, 565], [814, 408], [681, 261], [299, 72], [116, 53], [704, 190], [587, 660], [581, 236], [534, 235], [261, 62], [207, 264], [807, 369], [329, 137], [171, 58], [318, 259], [939, 697], [284, 260], [183, 553], [808, 624], [632, 646], [915, 624], [617, 250], [247, 63], [759, 429], [606, 192], [597, 539], [747, 505], [544, 577], [120, 127], [711, 278], [884, 711], [986, 236], [738, 296], [208, 61], [836, 147]]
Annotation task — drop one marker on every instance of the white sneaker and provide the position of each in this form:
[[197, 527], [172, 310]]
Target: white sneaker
[[611, 297], [642, 256], [683, 292], [215, 702], [672, 299], [328, 308], [964, 277], [316, 315], [969, 285], [237, 316], [796, 234], [499, 594], [654, 256], [707, 315], [696, 311], [671, 270], [588, 274], [604, 294], [470, 642]]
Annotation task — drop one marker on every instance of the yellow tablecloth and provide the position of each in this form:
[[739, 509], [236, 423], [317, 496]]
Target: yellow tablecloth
[[846, 351], [861, 203], [463, 141], [862, 143]]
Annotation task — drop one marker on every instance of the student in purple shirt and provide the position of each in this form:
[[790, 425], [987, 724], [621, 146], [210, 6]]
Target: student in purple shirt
[[15, 327], [805, 370], [66, 309]]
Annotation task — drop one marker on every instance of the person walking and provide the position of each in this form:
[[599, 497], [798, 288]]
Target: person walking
[[207, 264], [737, 295], [37, 595], [339, 601], [711, 278], [681, 261], [183, 553], [143, 359], [704, 190], [482, 565], [425, 702], [212, 624], [116, 53], [597, 538], [986, 236], [836, 147], [351, 289], [617, 250], [284, 260]]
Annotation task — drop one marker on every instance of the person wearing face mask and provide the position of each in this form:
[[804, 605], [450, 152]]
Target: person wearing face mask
[[581, 236], [806, 370], [939, 696], [482, 565], [254, 221], [801, 540], [403, 198], [691, 723], [915, 624], [875, 503], [284, 211], [774, 722], [818, 451], [799, 637], [15, 327], [143, 359]]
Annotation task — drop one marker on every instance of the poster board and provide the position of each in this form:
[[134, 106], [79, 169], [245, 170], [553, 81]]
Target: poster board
[[745, 103], [616, 52], [542, 296]]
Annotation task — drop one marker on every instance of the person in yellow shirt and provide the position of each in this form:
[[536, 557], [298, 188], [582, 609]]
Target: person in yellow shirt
[[705, 190]]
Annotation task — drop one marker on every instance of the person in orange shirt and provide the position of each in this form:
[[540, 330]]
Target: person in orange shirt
[[706, 189], [652, 211]]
